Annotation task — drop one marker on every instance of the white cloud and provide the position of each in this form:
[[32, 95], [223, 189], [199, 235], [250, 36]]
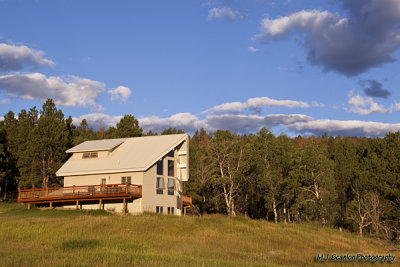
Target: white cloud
[[242, 123], [253, 49], [317, 105], [65, 91], [366, 105], [345, 128], [14, 58], [366, 38], [313, 20], [255, 104], [121, 92], [224, 13], [183, 121], [5, 101], [98, 120]]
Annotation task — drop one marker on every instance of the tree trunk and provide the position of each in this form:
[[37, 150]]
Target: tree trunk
[[284, 212], [274, 208]]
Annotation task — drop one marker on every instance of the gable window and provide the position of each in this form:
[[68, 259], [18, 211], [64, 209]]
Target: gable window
[[87, 155], [160, 167], [171, 186], [126, 179], [171, 165], [160, 185]]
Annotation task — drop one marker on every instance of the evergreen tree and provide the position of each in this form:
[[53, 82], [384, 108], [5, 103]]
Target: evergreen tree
[[128, 126], [51, 141]]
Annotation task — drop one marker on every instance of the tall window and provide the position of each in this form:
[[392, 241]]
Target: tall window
[[103, 181], [171, 169], [160, 167], [170, 210], [160, 185], [159, 209], [171, 186]]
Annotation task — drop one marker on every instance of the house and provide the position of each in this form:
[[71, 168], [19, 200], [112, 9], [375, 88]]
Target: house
[[138, 174]]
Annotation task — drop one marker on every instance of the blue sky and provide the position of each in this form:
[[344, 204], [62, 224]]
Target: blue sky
[[295, 67]]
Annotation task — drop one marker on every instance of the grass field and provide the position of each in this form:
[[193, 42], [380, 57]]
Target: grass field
[[81, 238]]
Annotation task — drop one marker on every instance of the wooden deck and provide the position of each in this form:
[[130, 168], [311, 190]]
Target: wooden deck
[[77, 194]]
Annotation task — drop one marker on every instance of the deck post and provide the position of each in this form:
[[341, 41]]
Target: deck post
[[51, 205], [124, 207], [29, 206], [77, 204], [100, 204], [47, 192], [73, 190], [184, 211], [126, 188]]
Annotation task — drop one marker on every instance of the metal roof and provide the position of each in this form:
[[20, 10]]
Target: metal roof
[[133, 154], [97, 145]]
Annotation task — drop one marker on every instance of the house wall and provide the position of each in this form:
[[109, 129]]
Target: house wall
[[135, 206], [150, 197]]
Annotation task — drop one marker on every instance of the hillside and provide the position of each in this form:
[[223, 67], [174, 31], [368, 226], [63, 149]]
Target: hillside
[[81, 238]]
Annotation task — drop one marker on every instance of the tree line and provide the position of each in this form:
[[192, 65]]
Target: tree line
[[347, 182]]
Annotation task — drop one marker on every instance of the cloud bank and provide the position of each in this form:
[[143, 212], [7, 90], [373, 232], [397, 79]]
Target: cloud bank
[[256, 104], [367, 37], [14, 58], [65, 91]]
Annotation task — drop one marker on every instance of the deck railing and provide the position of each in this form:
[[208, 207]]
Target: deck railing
[[79, 192]]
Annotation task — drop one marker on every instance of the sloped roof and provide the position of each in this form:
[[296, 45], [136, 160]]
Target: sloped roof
[[133, 154], [97, 145]]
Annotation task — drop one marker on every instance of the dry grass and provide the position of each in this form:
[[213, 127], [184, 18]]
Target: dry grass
[[79, 238]]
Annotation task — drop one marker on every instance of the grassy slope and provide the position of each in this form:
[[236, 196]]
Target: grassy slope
[[79, 238]]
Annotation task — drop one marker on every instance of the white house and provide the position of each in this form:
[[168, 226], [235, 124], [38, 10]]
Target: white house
[[158, 165]]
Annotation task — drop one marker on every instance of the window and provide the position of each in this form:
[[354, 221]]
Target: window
[[171, 171], [160, 167], [126, 179], [159, 209], [171, 186], [170, 210], [87, 155], [160, 185], [103, 181]]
